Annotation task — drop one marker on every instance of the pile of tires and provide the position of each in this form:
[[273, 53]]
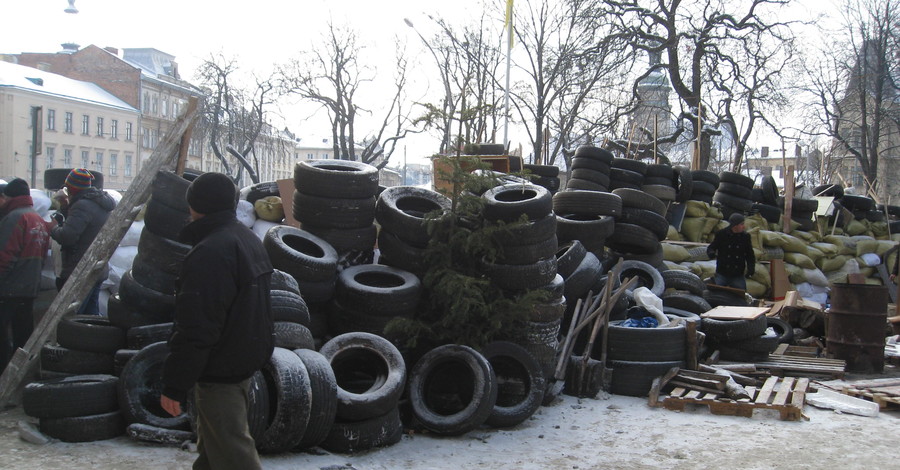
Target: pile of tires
[[293, 321], [734, 193], [401, 212], [667, 184], [803, 212], [627, 173], [77, 408], [87, 344], [862, 207], [640, 228], [540, 335], [335, 201], [369, 296], [704, 185], [746, 340], [526, 224], [581, 271], [586, 216], [591, 168], [684, 292], [766, 201], [139, 390], [544, 175], [638, 355]]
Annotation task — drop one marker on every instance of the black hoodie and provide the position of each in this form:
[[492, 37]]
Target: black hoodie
[[86, 214]]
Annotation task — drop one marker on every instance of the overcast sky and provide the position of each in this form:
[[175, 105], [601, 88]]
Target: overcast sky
[[260, 33]]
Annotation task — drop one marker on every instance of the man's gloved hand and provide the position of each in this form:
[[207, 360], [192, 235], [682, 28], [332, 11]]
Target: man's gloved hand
[[58, 217]]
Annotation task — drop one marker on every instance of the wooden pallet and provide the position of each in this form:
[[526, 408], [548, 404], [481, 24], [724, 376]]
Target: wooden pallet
[[786, 395], [787, 363], [885, 392]]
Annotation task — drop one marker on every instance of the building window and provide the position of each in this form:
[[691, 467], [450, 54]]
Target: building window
[[165, 107], [145, 137], [67, 158], [127, 165], [175, 109], [99, 127], [128, 131], [155, 101], [69, 123], [99, 161], [146, 107], [85, 156], [114, 129], [51, 119], [154, 138], [113, 164], [85, 124], [51, 155]]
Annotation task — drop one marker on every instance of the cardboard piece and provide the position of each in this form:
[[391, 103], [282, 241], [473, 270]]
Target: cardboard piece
[[728, 312], [780, 282], [286, 191]]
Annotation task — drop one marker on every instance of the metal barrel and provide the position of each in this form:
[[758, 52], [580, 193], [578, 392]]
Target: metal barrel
[[855, 326]]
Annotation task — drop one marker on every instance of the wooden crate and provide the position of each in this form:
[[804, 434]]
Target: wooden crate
[[785, 395], [498, 163]]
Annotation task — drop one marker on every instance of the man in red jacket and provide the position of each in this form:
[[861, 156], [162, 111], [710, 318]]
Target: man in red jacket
[[24, 241]]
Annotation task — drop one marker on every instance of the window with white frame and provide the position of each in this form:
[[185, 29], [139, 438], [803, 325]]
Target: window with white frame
[[128, 131], [146, 107], [50, 156], [145, 137], [114, 129], [51, 119], [99, 127], [85, 158], [113, 164], [69, 123], [85, 124], [99, 161], [67, 158], [127, 164], [155, 101]]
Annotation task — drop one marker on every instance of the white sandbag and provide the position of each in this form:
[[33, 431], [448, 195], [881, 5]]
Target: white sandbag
[[644, 298], [40, 202], [811, 292], [870, 259], [816, 277], [115, 195], [260, 227], [133, 235], [245, 213]]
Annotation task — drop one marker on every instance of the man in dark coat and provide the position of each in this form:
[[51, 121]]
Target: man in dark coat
[[734, 250], [80, 218], [224, 329], [24, 242]]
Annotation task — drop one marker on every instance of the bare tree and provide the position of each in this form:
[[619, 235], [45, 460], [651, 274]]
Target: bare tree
[[234, 117], [713, 52], [332, 76], [854, 84]]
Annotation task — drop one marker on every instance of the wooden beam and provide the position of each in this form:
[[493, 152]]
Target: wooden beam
[[788, 198], [88, 270]]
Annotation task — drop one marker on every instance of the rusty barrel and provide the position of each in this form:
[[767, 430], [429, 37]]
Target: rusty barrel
[[855, 326]]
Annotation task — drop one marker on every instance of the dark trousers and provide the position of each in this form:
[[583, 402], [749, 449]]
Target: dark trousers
[[224, 440], [16, 325], [738, 282], [91, 304]]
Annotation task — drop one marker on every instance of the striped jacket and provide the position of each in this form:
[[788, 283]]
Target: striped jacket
[[24, 242]]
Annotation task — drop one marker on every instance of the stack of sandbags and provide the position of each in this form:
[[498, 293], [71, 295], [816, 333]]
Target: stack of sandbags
[[869, 254], [701, 221], [839, 257]]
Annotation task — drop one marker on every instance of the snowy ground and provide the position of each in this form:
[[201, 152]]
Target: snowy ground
[[608, 432]]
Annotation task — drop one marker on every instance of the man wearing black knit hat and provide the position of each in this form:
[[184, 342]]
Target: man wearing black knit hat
[[224, 330], [735, 254]]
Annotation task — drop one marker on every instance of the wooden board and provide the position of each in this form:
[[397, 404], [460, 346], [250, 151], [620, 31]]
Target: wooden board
[[785, 395], [726, 312], [885, 392], [803, 366]]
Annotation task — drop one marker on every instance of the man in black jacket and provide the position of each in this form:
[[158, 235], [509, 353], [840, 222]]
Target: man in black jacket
[[735, 254], [224, 330]]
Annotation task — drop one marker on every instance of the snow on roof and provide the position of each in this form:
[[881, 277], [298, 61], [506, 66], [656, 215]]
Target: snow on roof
[[46, 83]]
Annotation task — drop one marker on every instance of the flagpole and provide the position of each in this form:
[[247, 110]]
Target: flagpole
[[509, 39]]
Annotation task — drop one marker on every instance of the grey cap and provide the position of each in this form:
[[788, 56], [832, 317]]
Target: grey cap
[[736, 219]]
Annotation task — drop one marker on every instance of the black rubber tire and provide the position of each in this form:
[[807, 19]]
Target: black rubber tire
[[646, 344], [399, 254], [683, 314], [301, 254], [347, 437], [591, 230], [527, 233], [687, 302], [772, 214], [661, 192], [627, 178], [259, 406], [402, 210], [636, 166], [726, 331], [545, 171], [702, 188], [634, 378], [857, 203], [323, 407], [769, 190], [568, 257], [145, 299], [332, 212], [705, 176], [370, 374], [72, 361], [552, 184], [784, 330], [342, 320], [685, 185], [152, 277], [55, 178], [756, 195], [290, 395], [90, 428], [582, 163], [379, 290], [594, 176], [575, 184], [717, 298], [630, 238], [346, 240], [587, 203], [140, 337], [594, 153], [738, 204], [735, 190], [519, 277], [89, 333], [803, 205], [509, 202], [655, 180], [640, 200], [165, 221], [684, 281], [336, 178], [582, 278], [290, 335], [289, 306], [452, 389], [764, 343], [121, 358], [520, 383], [647, 275], [283, 281], [650, 220], [528, 254], [78, 395], [140, 386], [735, 178], [168, 437], [127, 316], [162, 253], [660, 170], [730, 353], [171, 190]]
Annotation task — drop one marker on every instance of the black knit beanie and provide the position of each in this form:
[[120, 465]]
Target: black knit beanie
[[211, 192], [16, 187]]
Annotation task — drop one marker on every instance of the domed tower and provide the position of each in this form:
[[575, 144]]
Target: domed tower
[[653, 102]]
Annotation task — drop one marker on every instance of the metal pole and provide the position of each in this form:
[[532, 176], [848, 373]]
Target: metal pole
[[36, 140], [509, 39]]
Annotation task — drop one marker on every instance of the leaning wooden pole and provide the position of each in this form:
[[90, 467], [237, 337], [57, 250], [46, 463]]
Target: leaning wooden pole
[[87, 273]]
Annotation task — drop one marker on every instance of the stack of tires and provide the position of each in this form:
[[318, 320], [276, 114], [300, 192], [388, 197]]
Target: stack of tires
[[370, 375], [313, 264], [293, 323], [639, 355], [401, 213], [544, 175], [766, 204], [734, 193], [745, 340], [586, 216], [540, 336], [640, 228], [581, 272], [139, 390], [683, 293], [627, 173], [661, 182], [803, 211], [704, 184], [87, 344], [335, 200], [79, 408], [520, 267], [369, 296], [591, 168], [862, 207]]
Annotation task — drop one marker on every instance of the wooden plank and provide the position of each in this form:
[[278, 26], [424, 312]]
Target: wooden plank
[[780, 350], [784, 391], [692, 394], [678, 391], [766, 390], [727, 312], [694, 387], [798, 398], [88, 270]]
